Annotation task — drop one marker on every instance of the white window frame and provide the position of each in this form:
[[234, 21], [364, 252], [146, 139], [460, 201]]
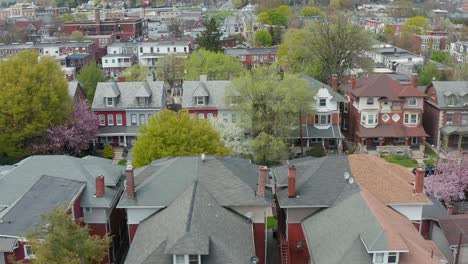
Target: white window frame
[[318, 119], [26, 254], [393, 254], [368, 101], [365, 119], [234, 118], [324, 101], [412, 101], [133, 122], [110, 119], [345, 107], [110, 102], [198, 101], [201, 116], [102, 120], [119, 119], [408, 117], [142, 119], [186, 259]]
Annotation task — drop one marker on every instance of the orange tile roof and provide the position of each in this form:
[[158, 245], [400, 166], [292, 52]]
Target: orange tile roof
[[400, 233], [390, 183]]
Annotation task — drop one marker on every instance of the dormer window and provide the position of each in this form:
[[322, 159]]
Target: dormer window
[[322, 102], [370, 101], [412, 101], [234, 100], [110, 101], [142, 101], [452, 100], [186, 259], [200, 100], [386, 258]]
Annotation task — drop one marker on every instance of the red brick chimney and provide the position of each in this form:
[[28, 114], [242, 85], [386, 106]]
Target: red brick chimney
[[334, 82], [450, 210], [292, 181], [353, 81], [414, 80], [262, 174], [100, 187], [130, 181], [419, 181]]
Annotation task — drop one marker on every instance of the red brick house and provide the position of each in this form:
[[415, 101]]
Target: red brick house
[[253, 57], [87, 187], [123, 29], [432, 40], [445, 115], [385, 114]]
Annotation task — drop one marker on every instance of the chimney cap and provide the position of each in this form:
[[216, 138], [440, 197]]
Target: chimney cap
[[129, 167]]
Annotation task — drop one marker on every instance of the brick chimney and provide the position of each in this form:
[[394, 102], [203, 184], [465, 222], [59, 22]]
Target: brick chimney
[[97, 16], [419, 181], [450, 210], [353, 81], [100, 187], [262, 174], [130, 181], [292, 181], [414, 80], [334, 82]]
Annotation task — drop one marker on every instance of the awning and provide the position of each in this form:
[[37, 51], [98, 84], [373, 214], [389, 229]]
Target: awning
[[395, 130], [110, 131], [7, 244]]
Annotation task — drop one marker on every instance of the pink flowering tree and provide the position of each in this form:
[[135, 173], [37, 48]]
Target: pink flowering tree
[[450, 181], [72, 137]]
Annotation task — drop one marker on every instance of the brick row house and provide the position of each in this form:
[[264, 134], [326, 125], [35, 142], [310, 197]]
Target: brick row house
[[459, 51], [446, 114], [197, 210], [124, 106], [385, 114], [120, 56], [150, 51], [88, 188], [253, 57], [432, 40], [350, 209]]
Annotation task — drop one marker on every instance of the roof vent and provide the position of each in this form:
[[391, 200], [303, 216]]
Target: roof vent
[[351, 180], [346, 175], [203, 157]]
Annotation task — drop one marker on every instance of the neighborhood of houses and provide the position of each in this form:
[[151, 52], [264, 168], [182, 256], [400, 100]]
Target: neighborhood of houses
[[349, 206]]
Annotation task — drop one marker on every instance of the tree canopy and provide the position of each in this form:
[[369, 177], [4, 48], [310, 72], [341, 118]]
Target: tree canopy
[[170, 68], [415, 25], [135, 73], [33, 96], [62, 240], [210, 38], [275, 16], [450, 181], [89, 77], [331, 46], [263, 38], [172, 134], [310, 11], [429, 72], [217, 65]]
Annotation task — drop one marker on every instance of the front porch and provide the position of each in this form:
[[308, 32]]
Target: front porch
[[381, 146], [454, 138]]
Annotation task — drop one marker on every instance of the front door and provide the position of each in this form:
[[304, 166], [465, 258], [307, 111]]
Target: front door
[[415, 141]]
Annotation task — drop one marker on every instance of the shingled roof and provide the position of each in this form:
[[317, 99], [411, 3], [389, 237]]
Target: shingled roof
[[194, 224]]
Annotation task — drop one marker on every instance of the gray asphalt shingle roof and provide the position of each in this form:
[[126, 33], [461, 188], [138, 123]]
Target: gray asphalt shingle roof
[[27, 172], [48, 192], [231, 181], [7, 244], [446, 88], [319, 181], [193, 224], [127, 93], [215, 90], [315, 85]]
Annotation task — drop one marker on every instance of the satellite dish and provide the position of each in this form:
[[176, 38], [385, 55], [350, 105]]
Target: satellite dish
[[351, 180], [346, 175]]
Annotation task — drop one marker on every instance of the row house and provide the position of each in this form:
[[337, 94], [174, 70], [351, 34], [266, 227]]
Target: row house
[[385, 114], [253, 57], [459, 51], [120, 55], [185, 210], [124, 29], [101, 42], [432, 40], [446, 114], [87, 188], [377, 25], [323, 126], [19, 10], [350, 209], [150, 51], [34, 29], [122, 107], [396, 59]]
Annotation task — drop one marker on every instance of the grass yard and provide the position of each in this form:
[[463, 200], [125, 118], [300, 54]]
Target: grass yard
[[271, 222], [402, 160], [430, 153], [122, 162]]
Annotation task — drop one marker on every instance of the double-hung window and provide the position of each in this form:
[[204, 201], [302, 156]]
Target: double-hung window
[[28, 252], [142, 119], [110, 119], [109, 101], [102, 120], [133, 119], [200, 100], [323, 102], [412, 101], [411, 119], [119, 119]]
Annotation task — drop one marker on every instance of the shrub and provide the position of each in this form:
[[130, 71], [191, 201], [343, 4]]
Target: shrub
[[108, 152], [316, 151]]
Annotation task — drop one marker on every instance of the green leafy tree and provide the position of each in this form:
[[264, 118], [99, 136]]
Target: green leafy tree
[[275, 16], [77, 36], [135, 73], [33, 96], [415, 25], [89, 77], [170, 68], [321, 49], [441, 56], [210, 38], [268, 149], [172, 134], [62, 240], [310, 11], [389, 34], [108, 152], [68, 17], [263, 38], [218, 66], [429, 72]]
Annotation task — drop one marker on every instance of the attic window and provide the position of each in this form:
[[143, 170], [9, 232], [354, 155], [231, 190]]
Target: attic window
[[323, 102], [370, 101], [412, 101], [142, 101], [200, 100], [109, 101], [452, 100]]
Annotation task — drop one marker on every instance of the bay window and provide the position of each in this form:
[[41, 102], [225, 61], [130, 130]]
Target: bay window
[[412, 101], [411, 119], [322, 119], [369, 119]]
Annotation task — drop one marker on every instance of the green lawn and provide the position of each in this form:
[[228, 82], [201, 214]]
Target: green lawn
[[122, 162], [431, 153], [271, 222], [402, 160]]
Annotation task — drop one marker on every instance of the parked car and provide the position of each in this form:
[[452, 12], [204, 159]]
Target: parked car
[[428, 170]]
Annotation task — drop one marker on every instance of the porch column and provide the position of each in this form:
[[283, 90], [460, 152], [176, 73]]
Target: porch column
[[460, 137], [406, 141], [125, 141], [381, 141], [446, 140]]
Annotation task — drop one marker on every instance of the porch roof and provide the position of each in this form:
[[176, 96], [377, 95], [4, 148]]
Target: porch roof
[[332, 131], [448, 130], [7, 244], [118, 131], [394, 130]]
